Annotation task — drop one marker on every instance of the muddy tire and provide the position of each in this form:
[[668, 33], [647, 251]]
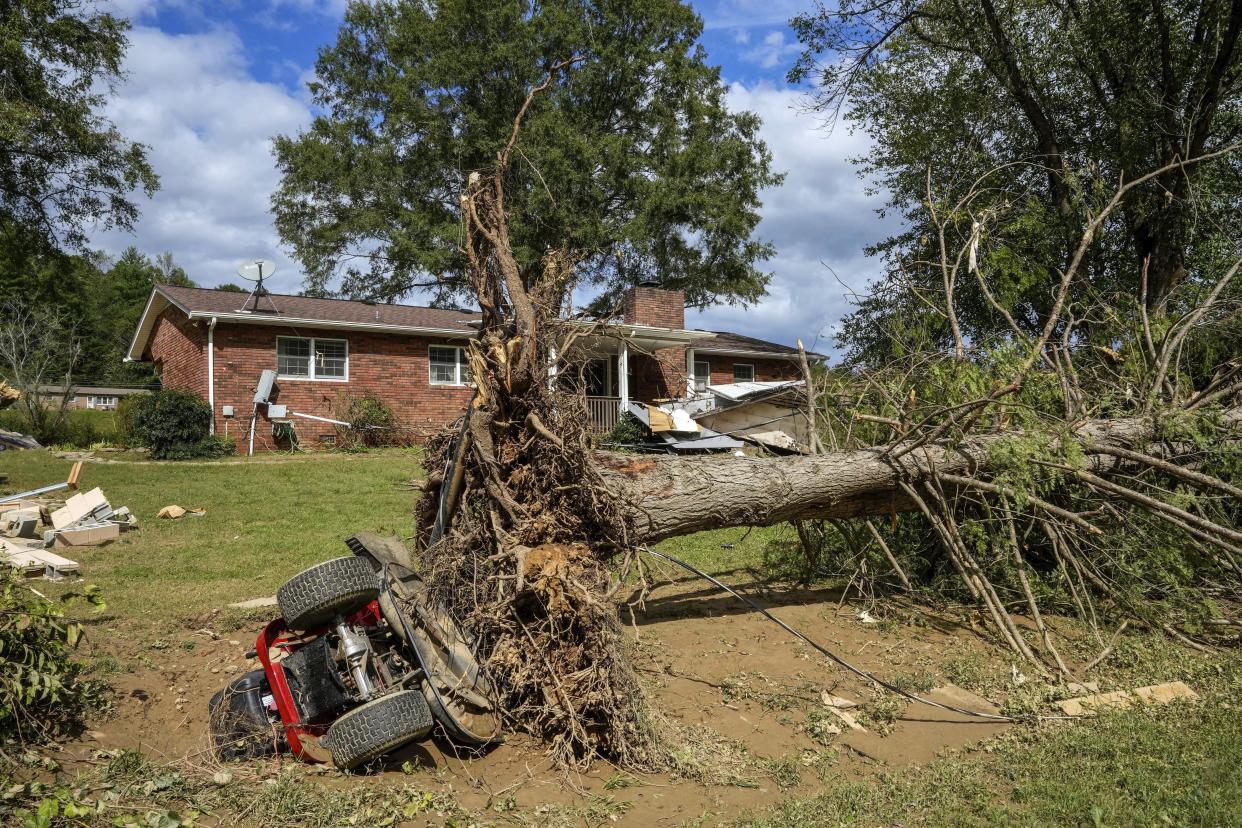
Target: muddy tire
[[377, 727], [336, 587]]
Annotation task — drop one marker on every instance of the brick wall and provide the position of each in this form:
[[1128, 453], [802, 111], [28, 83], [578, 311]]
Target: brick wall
[[178, 347], [766, 370], [392, 366], [653, 306]]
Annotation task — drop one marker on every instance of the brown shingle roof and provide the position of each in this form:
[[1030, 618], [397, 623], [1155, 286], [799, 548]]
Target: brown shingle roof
[[725, 342], [204, 300]]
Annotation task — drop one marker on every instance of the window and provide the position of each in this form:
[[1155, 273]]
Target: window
[[743, 372], [101, 402], [448, 365], [702, 374], [312, 358], [598, 374]]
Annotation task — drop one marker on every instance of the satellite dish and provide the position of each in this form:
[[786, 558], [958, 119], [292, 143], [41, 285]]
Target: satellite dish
[[256, 271]]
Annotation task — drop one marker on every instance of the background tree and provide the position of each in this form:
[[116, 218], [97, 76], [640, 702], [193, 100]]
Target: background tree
[[1038, 109], [39, 347], [64, 168], [634, 162]]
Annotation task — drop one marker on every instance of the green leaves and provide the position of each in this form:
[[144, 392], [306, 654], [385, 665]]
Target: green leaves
[[631, 158], [41, 687], [64, 169]]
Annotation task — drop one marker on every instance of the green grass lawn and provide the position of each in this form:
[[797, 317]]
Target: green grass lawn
[[266, 519]]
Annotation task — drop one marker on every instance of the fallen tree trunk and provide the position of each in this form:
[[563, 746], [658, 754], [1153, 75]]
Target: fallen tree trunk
[[666, 497]]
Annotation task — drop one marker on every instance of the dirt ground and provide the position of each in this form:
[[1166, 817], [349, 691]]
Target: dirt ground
[[746, 697]]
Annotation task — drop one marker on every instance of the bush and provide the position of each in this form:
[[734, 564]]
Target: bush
[[80, 428], [42, 690], [371, 423], [629, 431], [173, 425]]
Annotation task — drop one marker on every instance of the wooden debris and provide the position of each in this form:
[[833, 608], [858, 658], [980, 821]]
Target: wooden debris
[[1153, 694]]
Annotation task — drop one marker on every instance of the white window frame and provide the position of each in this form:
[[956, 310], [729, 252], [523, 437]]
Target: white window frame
[[749, 365], [459, 367], [702, 379], [311, 375]]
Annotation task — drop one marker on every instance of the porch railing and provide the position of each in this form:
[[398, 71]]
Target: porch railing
[[604, 413]]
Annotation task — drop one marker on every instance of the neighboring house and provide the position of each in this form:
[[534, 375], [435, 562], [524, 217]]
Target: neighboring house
[[97, 398], [217, 344]]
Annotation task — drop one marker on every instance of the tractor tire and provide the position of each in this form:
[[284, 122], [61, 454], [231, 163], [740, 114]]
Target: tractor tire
[[377, 727], [336, 587]]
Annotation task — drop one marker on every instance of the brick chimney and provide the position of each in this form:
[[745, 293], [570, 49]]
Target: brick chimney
[[648, 304]]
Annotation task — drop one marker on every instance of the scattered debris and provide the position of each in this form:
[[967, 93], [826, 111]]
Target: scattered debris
[[70, 483], [85, 519], [963, 698], [867, 618], [33, 560], [94, 535], [849, 720], [81, 507], [674, 430], [1152, 694], [830, 700], [8, 395], [256, 603], [11, 440], [175, 512]]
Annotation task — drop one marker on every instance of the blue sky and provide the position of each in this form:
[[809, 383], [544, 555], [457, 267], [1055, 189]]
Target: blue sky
[[209, 83]]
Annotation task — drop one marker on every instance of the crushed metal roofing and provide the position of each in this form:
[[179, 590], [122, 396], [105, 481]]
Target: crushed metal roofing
[[736, 391]]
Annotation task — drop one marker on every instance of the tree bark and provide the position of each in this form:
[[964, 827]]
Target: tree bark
[[666, 497]]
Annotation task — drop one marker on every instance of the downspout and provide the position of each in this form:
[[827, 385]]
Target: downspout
[[211, 371]]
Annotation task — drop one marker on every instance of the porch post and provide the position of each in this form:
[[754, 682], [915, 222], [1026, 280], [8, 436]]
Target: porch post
[[689, 372], [623, 381]]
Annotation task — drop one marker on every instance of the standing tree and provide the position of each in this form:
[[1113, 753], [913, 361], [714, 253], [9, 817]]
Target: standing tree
[[39, 348], [64, 168], [635, 162], [1038, 110]]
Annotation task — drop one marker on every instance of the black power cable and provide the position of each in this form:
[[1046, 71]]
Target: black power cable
[[858, 671]]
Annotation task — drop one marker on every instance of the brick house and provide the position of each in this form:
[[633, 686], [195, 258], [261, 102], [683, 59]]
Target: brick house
[[216, 344]]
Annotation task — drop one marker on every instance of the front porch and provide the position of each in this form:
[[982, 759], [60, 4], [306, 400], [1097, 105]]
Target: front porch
[[636, 364]]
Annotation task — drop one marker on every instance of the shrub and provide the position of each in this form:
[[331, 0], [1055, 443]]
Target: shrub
[[42, 690], [628, 431], [80, 429], [174, 425], [371, 423]]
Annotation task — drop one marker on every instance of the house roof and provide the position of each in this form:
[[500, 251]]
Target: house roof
[[308, 312], [723, 342], [298, 311], [283, 306]]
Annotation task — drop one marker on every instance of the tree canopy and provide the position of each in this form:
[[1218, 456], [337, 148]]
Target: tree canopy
[[632, 158], [64, 167], [1011, 121]]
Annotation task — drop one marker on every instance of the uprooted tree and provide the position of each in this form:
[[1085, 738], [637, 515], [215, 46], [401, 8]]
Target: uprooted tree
[[1024, 463]]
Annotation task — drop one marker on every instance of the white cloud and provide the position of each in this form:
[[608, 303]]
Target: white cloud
[[737, 14], [774, 50], [819, 219], [209, 125]]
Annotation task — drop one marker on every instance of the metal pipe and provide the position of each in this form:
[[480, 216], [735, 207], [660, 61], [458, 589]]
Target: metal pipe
[[211, 371]]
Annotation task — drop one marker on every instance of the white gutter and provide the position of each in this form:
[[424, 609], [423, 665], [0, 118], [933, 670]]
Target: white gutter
[[294, 322], [758, 354], [211, 371]]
